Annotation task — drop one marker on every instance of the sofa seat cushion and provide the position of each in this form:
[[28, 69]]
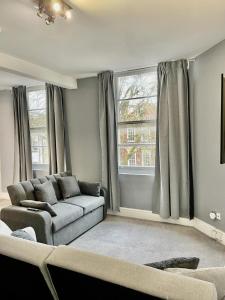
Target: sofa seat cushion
[[88, 203], [66, 214]]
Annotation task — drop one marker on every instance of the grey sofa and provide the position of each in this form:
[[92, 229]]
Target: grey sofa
[[75, 215]]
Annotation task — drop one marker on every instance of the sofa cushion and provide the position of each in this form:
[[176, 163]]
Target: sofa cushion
[[88, 203], [66, 214], [56, 186], [69, 186], [92, 189], [35, 181], [45, 193], [29, 190], [177, 262]]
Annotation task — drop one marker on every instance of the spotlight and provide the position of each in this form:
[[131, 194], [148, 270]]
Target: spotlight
[[52, 9], [57, 7], [68, 15]]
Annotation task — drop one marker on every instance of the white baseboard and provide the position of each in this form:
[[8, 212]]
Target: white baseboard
[[196, 223], [209, 230]]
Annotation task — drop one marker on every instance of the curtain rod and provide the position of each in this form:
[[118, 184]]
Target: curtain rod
[[154, 66]]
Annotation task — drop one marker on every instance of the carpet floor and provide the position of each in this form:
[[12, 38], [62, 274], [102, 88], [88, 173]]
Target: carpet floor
[[145, 241]]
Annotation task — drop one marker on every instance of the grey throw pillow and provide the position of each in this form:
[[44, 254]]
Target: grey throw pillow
[[69, 186], [179, 262], [39, 205], [22, 234], [45, 192], [92, 189]]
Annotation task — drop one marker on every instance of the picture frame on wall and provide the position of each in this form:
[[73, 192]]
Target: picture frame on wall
[[222, 133]]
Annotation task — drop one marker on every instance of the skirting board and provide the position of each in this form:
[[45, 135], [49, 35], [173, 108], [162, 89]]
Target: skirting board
[[196, 223]]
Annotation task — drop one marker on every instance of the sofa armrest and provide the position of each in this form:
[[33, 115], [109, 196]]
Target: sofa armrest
[[17, 217]]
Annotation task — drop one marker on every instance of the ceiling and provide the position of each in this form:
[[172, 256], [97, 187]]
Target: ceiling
[[8, 80], [111, 34]]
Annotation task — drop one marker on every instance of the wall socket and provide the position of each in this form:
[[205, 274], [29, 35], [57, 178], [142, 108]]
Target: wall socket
[[215, 215], [218, 216]]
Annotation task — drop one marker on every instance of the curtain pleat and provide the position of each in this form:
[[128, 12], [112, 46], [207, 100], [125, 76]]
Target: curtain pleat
[[173, 172], [22, 132]]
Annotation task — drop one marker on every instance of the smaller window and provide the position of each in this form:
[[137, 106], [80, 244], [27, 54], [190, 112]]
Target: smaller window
[[38, 129], [130, 135], [132, 160], [146, 158]]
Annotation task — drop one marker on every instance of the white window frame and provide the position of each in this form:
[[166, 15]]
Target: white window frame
[[128, 169], [35, 166]]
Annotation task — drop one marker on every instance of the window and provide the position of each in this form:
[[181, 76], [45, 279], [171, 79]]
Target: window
[[38, 129], [136, 116], [130, 134], [132, 160], [146, 158]]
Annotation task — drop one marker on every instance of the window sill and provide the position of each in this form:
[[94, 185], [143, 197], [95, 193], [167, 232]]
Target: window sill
[[137, 171]]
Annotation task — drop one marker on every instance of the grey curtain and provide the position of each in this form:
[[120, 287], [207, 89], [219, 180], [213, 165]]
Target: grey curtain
[[57, 141], [22, 132], [173, 173], [108, 138]]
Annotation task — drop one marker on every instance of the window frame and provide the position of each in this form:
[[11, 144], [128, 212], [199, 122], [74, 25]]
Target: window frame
[[37, 166], [135, 170]]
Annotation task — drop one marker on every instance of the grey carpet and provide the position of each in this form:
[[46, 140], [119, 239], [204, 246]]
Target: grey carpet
[[144, 242]]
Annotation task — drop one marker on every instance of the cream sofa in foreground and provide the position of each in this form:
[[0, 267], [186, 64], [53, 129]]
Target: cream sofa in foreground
[[30, 270]]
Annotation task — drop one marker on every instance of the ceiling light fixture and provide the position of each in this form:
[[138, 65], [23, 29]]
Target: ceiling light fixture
[[50, 9]]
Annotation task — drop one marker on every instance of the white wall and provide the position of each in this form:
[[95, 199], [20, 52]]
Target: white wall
[[6, 139], [209, 174]]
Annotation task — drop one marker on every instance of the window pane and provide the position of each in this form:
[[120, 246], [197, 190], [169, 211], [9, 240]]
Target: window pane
[[137, 156], [37, 118], [39, 137], [37, 99], [137, 110], [39, 155], [140, 85], [140, 133]]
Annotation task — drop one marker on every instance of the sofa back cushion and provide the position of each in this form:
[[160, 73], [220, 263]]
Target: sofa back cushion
[[25, 190], [45, 192], [69, 186], [23, 261], [53, 179], [116, 276]]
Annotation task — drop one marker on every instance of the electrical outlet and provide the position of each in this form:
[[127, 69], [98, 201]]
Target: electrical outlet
[[218, 216], [212, 215]]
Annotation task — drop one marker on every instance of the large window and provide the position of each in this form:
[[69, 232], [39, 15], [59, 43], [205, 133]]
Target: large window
[[137, 105], [38, 129]]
